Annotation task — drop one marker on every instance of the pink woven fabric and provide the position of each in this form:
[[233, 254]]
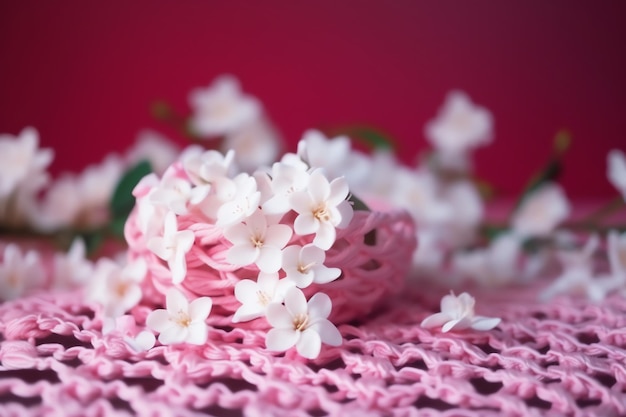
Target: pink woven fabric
[[562, 358], [371, 270]]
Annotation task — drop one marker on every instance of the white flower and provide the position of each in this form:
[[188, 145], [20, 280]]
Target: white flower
[[302, 324], [19, 272], [318, 151], [222, 108], [616, 170], [176, 193], [20, 159], [83, 199], [207, 167], [286, 179], [617, 253], [577, 275], [321, 208], [149, 217], [72, 268], [460, 125], [467, 212], [256, 296], [257, 242], [418, 192], [255, 145], [305, 265], [181, 322], [457, 313], [115, 287], [494, 265], [239, 198], [155, 148], [139, 341], [541, 212], [173, 246]]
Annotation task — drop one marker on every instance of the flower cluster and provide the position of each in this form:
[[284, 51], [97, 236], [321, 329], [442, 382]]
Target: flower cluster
[[278, 222]]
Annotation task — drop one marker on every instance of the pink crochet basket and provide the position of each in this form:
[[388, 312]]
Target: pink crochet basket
[[374, 254]]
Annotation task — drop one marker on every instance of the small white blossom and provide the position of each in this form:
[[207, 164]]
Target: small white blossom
[[115, 287], [617, 253], [577, 275], [72, 269], [176, 193], [321, 208], [181, 321], [139, 341], [318, 151], [256, 296], [255, 145], [257, 242], [149, 216], [155, 148], [222, 108], [302, 324], [305, 265], [541, 212], [460, 125], [286, 179], [20, 159], [418, 192], [457, 313], [616, 170], [239, 199], [19, 273], [205, 167], [172, 247]]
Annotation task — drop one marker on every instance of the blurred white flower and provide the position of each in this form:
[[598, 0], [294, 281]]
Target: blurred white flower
[[222, 108], [617, 253], [304, 265], [541, 212], [616, 170], [467, 212], [256, 144], [181, 321], [418, 192], [321, 208], [577, 275], [21, 159], [173, 246], [19, 273], [302, 324], [460, 125], [80, 200], [491, 266], [457, 313], [116, 287], [256, 296], [72, 269], [258, 242], [138, 340], [149, 217], [155, 148]]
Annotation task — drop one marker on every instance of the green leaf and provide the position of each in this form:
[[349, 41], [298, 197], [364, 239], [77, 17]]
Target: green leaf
[[93, 241], [123, 201]]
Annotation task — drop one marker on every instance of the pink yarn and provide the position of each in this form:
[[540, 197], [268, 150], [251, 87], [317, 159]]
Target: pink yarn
[[565, 358], [371, 271]]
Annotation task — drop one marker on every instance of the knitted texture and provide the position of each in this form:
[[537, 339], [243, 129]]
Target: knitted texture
[[560, 358], [374, 254]]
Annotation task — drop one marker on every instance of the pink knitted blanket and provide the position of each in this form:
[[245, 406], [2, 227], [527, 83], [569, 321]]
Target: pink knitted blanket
[[560, 358]]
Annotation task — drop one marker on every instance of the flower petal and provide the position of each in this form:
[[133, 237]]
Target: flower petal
[[280, 340], [159, 320], [278, 235], [306, 224], [484, 323], [310, 344], [325, 236], [270, 259], [319, 306], [248, 312], [435, 320], [242, 255], [197, 334], [324, 275], [328, 332], [176, 302], [173, 335], [295, 302], [278, 316], [200, 308], [245, 291]]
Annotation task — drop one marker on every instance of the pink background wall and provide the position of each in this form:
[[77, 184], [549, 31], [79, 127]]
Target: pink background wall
[[85, 76]]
